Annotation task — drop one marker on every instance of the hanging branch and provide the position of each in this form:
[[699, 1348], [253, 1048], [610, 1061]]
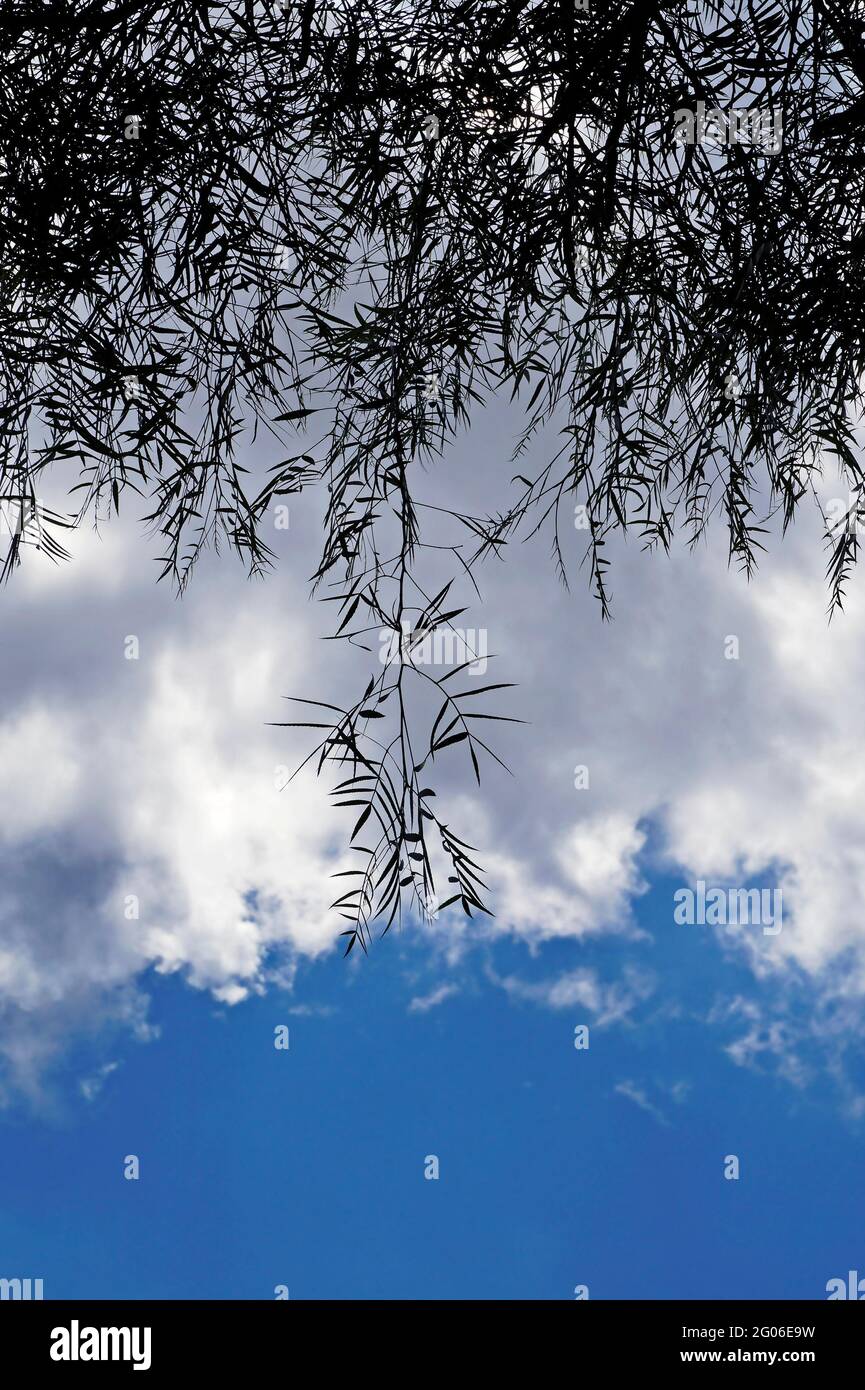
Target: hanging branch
[[343, 230]]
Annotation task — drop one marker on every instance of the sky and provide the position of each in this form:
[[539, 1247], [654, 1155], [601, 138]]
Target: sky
[[601, 1167], [164, 907]]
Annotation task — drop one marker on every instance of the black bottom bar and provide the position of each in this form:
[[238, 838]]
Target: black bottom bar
[[82, 1339]]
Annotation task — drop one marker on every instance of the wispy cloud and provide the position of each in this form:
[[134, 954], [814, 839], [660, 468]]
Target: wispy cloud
[[636, 1094], [611, 1002], [422, 1004], [767, 1042], [90, 1086]]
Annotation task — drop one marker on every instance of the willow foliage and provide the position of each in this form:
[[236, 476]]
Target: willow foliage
[[342, 229]]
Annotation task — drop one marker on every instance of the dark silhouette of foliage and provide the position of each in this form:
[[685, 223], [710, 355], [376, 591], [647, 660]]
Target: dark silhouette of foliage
[[346, 228]]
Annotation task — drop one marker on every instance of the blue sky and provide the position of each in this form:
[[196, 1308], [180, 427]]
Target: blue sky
[[161, 778], [261, 1167], [166, 897]]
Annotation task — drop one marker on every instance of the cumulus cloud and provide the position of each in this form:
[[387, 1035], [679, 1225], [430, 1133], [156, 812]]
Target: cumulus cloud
[[742, 772], [149, 801], [206, 858], [597, 879]]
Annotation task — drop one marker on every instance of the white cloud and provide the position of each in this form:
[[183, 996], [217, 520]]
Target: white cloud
[[222, 864], [610, 1002], [747, 771], [90, 1086], [635, 1093], [40, 774], [596, 881], [421, 1004], [158, 779]]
